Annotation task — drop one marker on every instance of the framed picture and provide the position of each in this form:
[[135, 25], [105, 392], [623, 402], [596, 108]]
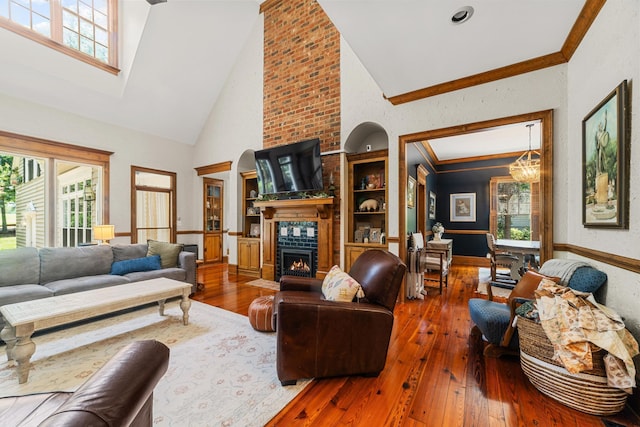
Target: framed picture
[[374, 235], [254, 231], [432, 205], [411, 192], [462, 207], [605, 162]]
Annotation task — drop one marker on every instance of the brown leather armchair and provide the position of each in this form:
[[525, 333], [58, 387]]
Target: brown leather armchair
[[118, 394], [319, 338]]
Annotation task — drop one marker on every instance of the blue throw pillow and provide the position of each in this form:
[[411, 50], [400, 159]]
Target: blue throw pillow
[[587, 279], [137, 264]]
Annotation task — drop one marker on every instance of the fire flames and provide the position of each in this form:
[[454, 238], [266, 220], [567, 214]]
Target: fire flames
[[299, 265]]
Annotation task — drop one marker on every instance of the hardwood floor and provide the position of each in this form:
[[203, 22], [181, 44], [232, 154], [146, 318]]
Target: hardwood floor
[[435, 373]]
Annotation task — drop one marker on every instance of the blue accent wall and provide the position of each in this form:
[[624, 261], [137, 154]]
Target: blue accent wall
[[453, 178]]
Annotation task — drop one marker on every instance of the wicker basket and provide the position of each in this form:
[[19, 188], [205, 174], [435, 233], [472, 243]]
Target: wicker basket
[[586, 391]]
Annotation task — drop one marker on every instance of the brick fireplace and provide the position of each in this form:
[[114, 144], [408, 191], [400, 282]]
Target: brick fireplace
[[301, 98], [301, 214]]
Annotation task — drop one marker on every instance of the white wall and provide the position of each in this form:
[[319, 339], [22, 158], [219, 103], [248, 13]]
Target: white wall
[[609, 54], [235, 125], [604, 59], [129, 147], [362, 101]]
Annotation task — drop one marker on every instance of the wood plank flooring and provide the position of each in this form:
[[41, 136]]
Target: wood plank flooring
[[435, 373]]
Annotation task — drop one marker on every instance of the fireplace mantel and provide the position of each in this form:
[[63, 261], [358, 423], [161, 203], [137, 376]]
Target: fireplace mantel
[[323, 206], [318, 210]]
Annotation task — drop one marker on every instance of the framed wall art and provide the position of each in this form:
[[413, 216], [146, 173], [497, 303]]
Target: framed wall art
[[411, 192], [605, 162], [432, 205], [374, 235], [254, 231], [462, 207]]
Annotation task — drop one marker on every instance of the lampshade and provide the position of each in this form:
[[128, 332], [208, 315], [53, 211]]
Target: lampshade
[[526, 168], [104, 232]]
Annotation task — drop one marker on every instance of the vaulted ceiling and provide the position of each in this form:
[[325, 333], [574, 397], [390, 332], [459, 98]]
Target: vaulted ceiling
[[176, 56]]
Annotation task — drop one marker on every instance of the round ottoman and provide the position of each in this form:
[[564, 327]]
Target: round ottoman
[[261, 312]]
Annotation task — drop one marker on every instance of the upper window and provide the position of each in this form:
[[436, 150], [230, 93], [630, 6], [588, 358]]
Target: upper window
[[82, 25]]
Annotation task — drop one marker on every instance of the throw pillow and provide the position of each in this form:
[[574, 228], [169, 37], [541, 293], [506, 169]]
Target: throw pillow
[[126, 251], [339, 286], [528, 284], [587, 279], [168, 252], [137, 264]]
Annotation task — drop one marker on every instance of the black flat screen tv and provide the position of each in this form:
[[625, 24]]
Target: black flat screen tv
[[290, 168]]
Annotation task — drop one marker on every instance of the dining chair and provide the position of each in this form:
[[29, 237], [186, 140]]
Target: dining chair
[[435, 264], [500, 261]]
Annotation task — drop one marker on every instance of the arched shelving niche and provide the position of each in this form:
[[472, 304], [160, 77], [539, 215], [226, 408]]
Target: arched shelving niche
[[367, 196], [367, 136]]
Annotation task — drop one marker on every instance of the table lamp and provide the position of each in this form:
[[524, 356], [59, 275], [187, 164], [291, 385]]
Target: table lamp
[[104, 233]]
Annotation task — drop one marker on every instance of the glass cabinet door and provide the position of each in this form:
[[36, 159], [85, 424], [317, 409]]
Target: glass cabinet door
[[213, 208], [213, 221]]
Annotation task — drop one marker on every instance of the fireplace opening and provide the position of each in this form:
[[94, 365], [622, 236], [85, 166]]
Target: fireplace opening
[[296, 262]]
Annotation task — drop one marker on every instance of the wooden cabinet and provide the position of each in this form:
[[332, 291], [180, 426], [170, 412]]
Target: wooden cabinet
[[367, 203], [249, 243], [249, 256], [212, 247], [212, 217]]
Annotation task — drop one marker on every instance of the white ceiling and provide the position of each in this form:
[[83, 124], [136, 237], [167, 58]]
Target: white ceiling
[[498, 140], [176, 56], [408, 45]]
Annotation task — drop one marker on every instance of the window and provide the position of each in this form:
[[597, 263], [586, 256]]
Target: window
[[153, 213], [48, 203], [31, 168], [86, 26], [75, 213], [514, 209]]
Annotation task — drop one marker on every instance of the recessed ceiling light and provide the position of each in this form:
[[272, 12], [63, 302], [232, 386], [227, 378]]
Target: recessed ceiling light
[[462, 15]]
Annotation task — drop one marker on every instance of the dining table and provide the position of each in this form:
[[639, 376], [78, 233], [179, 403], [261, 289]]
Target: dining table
[[520, 249]]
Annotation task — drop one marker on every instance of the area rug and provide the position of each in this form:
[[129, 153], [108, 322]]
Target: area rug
[[221, 371], [263, 283], [484, 277]]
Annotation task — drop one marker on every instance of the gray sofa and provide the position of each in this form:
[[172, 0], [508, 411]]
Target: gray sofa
[[30, 273]]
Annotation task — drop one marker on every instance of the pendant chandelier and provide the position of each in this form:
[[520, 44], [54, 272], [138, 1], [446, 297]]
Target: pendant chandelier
[[526, 168]]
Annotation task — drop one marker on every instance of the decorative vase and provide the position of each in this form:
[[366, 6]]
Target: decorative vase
[[437, 236]]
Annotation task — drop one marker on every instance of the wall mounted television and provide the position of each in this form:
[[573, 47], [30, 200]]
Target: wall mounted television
[[290, 168]]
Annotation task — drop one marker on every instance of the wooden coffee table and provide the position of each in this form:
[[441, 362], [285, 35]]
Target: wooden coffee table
[[24, 318]]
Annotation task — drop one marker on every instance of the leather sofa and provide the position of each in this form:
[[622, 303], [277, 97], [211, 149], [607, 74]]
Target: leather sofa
[[318, 338], [118, 394]]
